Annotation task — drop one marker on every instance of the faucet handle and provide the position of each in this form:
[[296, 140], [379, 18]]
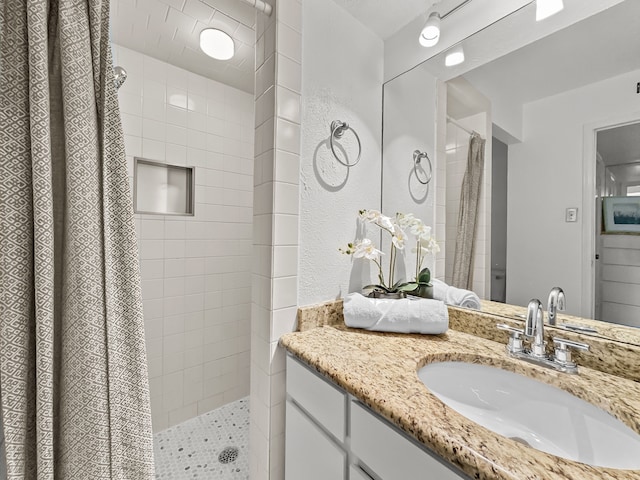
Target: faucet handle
[[515, 337], [563, 351]]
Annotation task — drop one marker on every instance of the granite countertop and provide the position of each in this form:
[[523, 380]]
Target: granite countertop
[[380, 369], [613, 331]]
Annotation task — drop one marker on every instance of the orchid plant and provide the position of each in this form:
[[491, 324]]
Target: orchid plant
[[397, 228]]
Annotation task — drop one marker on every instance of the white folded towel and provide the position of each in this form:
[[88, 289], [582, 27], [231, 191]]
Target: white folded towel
[[454, 296], [406, 315]]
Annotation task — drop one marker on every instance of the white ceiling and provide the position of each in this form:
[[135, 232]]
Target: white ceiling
[[620, 145], [169, 31], [385, 17], [599, 47]]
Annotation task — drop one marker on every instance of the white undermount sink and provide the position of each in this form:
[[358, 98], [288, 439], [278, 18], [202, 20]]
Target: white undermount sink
[[534, 413]]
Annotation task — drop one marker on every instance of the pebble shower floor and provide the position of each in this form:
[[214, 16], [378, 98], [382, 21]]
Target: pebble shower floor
[[199, 448]]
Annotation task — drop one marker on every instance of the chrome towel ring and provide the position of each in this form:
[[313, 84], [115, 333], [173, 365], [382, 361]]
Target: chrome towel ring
[[337, 130], [417, 158]]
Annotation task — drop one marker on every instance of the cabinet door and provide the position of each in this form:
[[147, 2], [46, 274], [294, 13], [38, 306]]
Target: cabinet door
[[322, 400], [310, 453], [390, 454]]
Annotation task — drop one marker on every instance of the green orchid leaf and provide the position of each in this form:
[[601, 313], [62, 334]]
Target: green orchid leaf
[[424, 276], [408, 287]]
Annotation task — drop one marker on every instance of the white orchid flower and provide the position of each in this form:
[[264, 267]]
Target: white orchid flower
[[427, 246], [370, 215], [399, 238], [406, 219], [421, 230], [386, 222], [433, 246], [366, 249]]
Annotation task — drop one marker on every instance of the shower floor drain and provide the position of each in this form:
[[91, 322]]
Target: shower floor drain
[[228, 455]]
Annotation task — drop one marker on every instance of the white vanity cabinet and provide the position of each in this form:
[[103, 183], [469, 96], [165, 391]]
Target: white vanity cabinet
[[332, 436], [315, 426]]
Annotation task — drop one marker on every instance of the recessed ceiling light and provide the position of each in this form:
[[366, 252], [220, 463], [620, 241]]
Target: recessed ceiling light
[[430, 34], [546, 8], [454, 57], [216, 44]]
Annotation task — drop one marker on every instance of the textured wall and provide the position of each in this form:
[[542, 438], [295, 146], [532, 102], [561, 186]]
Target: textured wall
[[341, 80]]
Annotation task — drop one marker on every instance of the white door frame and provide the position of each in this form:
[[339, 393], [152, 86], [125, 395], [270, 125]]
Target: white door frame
[[588, 204]]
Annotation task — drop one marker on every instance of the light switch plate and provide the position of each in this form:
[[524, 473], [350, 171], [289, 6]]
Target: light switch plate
[[571, 215]]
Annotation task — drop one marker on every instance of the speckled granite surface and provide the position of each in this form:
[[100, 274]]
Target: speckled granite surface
[[615, 357], [606, 355], [312, 316], [380, 369], [612, 331]]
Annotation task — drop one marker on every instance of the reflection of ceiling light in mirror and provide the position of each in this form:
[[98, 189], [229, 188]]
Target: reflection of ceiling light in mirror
[[216, 44], [455, 56], [431, 32], [546, 8]]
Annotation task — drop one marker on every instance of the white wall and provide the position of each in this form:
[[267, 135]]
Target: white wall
[[195, 270], [341, 80], [545, 178], [275, 233], [409, 124]]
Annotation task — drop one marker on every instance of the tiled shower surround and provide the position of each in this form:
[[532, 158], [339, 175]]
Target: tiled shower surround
[[195, 269], [213, 446]]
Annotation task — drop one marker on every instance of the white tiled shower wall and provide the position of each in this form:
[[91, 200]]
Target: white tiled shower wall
[[195, 269]]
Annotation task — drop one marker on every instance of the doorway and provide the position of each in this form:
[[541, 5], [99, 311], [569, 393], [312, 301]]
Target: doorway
[[499, 171], [617, 255]]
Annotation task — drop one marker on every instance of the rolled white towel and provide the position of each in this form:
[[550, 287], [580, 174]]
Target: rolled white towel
[[406, 315], [455, 296]]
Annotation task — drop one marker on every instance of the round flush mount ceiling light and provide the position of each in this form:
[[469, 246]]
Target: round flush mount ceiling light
[[454, 57], [430, 34], [216, 44], [546, 8]]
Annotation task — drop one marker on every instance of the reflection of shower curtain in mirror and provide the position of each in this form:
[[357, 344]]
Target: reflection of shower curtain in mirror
[[74, 394], [468, 216]]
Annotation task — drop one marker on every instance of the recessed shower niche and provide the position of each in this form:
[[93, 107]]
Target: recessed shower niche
[[163, 189]]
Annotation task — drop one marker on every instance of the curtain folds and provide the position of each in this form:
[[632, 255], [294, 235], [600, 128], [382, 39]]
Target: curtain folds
[[73, 379], [468, 216]]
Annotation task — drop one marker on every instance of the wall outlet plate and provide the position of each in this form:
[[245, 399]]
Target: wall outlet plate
[[571, 215]]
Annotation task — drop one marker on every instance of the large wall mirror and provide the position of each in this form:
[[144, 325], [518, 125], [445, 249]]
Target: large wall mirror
[[561, 120]]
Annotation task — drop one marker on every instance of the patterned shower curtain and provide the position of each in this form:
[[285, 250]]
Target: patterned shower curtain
[[73, 382], [468, 216]]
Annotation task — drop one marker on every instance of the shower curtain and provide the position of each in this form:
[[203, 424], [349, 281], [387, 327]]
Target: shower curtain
[[73, 381], [468, 216]]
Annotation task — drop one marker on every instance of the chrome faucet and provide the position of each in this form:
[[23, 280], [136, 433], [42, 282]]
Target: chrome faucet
[[534, 328], [556, 302]]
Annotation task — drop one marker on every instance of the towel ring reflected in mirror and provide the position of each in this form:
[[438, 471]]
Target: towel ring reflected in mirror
[[417, 159], [337, 130]]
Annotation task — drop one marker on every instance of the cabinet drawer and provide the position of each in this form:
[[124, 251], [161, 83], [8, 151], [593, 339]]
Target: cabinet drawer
[[310, 453], [325, 402], [389, 453]]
